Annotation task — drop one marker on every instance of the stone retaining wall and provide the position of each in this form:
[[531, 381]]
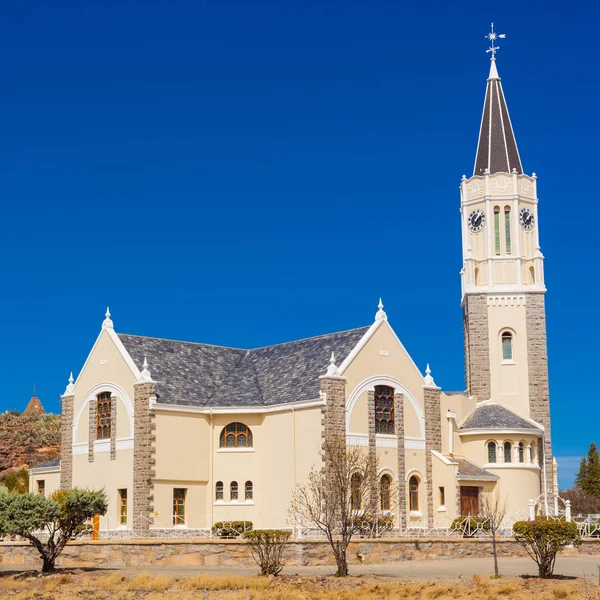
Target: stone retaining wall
[[234, 553]]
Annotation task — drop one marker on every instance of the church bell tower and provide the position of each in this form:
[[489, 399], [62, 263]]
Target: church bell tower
[[503, 274]]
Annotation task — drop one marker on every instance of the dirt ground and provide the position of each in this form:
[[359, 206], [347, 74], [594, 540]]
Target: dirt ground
[[368, 583]]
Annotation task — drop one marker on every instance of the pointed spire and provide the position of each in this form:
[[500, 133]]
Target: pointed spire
[[145, 374], [497, 150], [380, 315], [428, 379], [70, 386], [107, 323]]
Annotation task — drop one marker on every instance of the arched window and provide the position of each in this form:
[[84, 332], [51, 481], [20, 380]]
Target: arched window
[[507, 228], [234, 490], [355, 485], [384, 409], [521, 452], [413, 493], [219, 490], [249, 490], [507, 452], [507, 346], [236, 435], [491, 452], [497, 229], [103, 414], [385, 486]]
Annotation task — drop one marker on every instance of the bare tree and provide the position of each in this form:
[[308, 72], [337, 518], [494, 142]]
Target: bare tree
[[342, 498], [494, 511]]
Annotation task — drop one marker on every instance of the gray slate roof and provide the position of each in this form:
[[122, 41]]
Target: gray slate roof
[[497, 148], [55, 462], [202, 375], [469, 470], [494, 416]]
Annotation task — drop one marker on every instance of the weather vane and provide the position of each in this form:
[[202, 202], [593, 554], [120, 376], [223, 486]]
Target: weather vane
[[493, 36]]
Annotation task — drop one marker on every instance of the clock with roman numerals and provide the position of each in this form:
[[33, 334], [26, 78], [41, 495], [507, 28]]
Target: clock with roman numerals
[[476, 220], [526, 219]]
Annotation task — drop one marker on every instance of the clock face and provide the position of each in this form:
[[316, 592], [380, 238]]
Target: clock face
[[526, 219], [476, 220]]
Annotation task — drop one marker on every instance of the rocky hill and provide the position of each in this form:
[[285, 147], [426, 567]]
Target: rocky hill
[[27, 439]]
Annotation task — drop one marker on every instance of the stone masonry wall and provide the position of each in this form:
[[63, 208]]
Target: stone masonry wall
[[334, 411], [477, 348], [143, 456], [433, 440], [235, 553], [66, 442], [537, 358], [399, 424]]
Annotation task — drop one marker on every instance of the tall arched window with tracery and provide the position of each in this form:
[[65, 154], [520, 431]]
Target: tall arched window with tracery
[[507, 452], [507, 229], [491, 448], [384, 409], [103, 416], [236, 435], [385, 486]]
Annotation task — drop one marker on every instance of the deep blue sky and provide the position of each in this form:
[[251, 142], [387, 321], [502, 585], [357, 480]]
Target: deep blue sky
[[246, 173]]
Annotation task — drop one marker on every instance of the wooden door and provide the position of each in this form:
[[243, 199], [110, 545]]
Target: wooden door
[[469, 501], [95, 526]]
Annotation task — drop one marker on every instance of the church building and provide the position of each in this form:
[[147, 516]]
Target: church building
[[182, 435]]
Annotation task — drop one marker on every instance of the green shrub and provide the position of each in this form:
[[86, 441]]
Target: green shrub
[[543, 538], [231, 529], [266, 547]]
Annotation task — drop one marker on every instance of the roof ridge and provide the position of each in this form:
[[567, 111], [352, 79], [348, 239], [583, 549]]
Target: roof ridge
[[313, 337]]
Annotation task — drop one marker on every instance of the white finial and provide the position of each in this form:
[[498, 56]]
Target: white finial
[[428, 379], [70, 387], [332, 370], [145, 374], [463, 177], [107, 323], [380, 314]]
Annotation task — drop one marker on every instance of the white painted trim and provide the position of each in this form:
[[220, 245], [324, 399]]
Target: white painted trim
[[385, 471], [414, 444], [43, 470], [443, 458], [236, 410], [361, 344], [414, 472], [101, 446], [234, 450], [105, 386], [362, 440], [234, 503], [511, 465], [398, 386], [497, 432]]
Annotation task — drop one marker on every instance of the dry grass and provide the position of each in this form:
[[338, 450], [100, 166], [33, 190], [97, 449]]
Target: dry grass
[[116, 586]]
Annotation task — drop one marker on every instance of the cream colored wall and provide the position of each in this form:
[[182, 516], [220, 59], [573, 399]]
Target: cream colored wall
[[285, 446], [461, 406], [395, 363], [444, 476], [105, 365], [110, 475], [509, 380], [51, 480]]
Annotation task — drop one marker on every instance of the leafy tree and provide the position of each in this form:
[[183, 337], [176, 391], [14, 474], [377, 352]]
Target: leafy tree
[[340, 498], [588, 477], [266, 547], [49, 523], [543, 538], [17, 483]]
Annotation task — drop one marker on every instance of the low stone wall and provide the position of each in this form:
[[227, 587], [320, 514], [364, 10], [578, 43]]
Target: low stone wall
[[234, 553]]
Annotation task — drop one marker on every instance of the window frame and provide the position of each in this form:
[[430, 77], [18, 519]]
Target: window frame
[[41, 486], [492, 447], [249, 487], [179, 520], [103, 416], [356, 491], [442, 492], [507, 336], [240, 429], [219, 489], [385, 492], [234, 486], [122, 492], [507, 230], [507, 450], [383, 399], [497, 238], [413, 494], [521, 452]]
